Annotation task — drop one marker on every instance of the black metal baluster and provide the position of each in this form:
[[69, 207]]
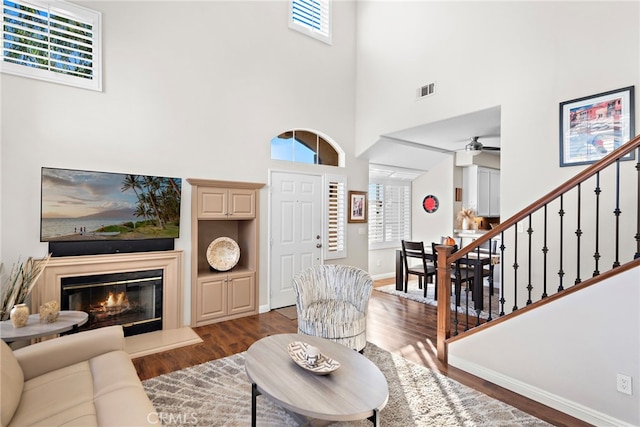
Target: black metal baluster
[[637, 255], [515, 270], [578, 236], [529, 286], [561, 213], [481, 284], [502, 248], [455, 319], [467, 290], [617, 212], [596, 255], [545, 250], [490, 278]]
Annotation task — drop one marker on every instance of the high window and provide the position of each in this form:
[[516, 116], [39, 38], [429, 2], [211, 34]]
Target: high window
[[389, 213], [53, 41], [303, 146], [311, 17]]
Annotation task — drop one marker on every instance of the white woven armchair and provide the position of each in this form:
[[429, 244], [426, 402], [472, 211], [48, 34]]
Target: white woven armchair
[[332, 303]]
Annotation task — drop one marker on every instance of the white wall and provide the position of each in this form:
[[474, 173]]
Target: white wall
[[439, 181], [522, 56], [191, 89], [527, 58], [567, 354]]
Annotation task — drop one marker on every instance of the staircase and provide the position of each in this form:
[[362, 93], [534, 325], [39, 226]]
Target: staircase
[[586, 232]]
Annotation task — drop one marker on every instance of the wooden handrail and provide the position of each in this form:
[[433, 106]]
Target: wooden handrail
[[587, 173], [445, 257]]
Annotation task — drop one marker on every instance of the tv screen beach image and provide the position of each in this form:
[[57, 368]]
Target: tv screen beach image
[[85, 205]]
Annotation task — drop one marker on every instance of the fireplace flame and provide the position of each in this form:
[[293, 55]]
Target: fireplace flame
[[118, 300]]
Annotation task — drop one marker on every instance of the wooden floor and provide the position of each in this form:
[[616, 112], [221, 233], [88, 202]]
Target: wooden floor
[[395, 324]]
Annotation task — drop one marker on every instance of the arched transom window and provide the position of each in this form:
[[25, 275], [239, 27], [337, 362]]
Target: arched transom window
[[304, 146]]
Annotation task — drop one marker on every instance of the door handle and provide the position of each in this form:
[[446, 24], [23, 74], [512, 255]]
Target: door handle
[[318, 245]]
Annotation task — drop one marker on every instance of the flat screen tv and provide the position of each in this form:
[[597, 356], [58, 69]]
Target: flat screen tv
[[86, 206]]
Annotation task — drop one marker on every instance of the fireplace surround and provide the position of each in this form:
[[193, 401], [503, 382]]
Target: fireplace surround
[[166, 263]]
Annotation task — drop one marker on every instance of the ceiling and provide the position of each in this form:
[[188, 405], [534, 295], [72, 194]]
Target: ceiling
[[422, 147]]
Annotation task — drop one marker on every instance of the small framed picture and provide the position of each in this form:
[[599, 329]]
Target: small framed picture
[[593, 126], [357, 206]]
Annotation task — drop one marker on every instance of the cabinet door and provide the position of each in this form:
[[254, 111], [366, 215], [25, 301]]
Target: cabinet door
[[494, 194], [212, 298], [242, 203], [212, 202], [241, 294], [484, 189]]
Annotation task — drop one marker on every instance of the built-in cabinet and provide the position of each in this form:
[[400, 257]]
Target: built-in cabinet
[[224, 209], [481, 190], [226, 203]]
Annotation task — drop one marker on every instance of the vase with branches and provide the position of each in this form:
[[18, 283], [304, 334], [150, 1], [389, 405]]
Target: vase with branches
[[19, 283], [467, 218]]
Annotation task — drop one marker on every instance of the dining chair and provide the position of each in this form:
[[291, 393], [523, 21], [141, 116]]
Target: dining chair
[[424, 269], [491, 247], [460, 273]]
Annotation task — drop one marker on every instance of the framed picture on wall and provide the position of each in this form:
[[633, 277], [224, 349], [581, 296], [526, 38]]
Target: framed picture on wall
[[593, 126], [357, 206]]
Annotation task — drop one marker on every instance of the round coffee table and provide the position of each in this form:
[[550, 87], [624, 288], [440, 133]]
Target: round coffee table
[[355, 391], [67, 320]]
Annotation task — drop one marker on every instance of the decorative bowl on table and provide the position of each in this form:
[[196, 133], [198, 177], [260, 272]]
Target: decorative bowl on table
[[325, 365], [223, 254], [49, 311]]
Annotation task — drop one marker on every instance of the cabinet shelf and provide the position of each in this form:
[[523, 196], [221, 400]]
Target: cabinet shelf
[[210, 273]]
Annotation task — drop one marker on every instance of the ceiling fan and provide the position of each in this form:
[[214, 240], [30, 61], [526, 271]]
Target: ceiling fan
[[476, 146]]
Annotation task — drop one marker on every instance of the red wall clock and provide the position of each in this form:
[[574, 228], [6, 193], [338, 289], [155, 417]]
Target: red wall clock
[[430, 203]]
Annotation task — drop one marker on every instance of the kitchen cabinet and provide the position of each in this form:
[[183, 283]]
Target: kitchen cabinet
[[481, 190], [224, 209]]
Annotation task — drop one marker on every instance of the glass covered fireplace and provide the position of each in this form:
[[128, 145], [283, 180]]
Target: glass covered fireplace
[[130, 299]]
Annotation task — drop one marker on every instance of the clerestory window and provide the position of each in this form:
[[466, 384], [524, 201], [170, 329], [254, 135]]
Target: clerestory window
[[311, 17], [303, 146], [52, 40]]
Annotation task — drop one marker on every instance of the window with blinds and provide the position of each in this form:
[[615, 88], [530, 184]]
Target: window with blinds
[[336, 200], [53, 41], [389, 214], [311, 17]]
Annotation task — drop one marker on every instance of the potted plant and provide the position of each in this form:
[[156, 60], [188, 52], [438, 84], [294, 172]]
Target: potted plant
[[18, 285]]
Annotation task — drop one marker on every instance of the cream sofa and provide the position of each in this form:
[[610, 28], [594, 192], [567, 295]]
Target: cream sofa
[[84, 379]]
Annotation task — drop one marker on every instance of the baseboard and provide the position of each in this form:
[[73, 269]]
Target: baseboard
[[383, 276], [264, 308], [534, 393]]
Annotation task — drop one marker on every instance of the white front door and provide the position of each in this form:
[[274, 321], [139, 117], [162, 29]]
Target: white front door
[[296, 231]]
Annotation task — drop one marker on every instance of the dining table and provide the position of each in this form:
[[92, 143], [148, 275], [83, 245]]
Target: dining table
[[478, 260]]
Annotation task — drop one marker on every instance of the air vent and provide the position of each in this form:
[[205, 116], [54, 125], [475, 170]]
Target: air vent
[[426, 90]]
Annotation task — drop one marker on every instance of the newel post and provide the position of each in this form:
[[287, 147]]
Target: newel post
[[444, 300]]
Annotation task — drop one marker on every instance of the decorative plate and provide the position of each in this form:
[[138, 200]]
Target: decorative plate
[[324, 366], [223, 254]]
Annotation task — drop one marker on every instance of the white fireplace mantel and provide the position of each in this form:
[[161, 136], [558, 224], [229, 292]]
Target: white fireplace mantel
[[48, 287]]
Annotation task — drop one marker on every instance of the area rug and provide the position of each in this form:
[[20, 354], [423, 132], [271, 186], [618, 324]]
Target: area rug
[[416, 294], [218, 393]]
